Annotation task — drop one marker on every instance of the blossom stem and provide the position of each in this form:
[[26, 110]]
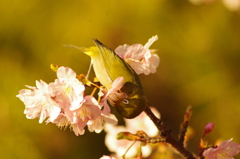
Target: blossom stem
[[96, 86], [123, 156], [165, 133], [94, 90]]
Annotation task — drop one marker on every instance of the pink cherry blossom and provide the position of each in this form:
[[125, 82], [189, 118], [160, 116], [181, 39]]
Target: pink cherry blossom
[[88, 109], [77, 119], [39, 102], [132, 55], [77, 110], [67, 88], [208, 128], [63, 103], [97, 125], [225, 150], [140, 57], [62, 122], [116, 85], [151, 60], [151, 64]]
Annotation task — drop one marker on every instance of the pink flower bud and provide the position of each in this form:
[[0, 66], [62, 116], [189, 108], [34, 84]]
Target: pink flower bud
[[208, 128]]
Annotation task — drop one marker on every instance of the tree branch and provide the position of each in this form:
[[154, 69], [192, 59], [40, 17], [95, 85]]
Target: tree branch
[[165, 133]]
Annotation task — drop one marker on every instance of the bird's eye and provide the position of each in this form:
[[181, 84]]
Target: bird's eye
[[125, 101]]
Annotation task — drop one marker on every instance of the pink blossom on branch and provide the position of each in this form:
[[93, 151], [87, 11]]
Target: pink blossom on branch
[[62, 122], [116, 86], [97, 125], [139, 57], [88, 110], [77, 119], [225, 150], [63, 103], [39, 103], [68, 90]]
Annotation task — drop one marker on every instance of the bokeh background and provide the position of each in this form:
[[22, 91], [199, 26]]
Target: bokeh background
[[199, 48]]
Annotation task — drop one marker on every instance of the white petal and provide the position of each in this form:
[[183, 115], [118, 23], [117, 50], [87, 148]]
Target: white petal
[[111, 119], [150, 42]]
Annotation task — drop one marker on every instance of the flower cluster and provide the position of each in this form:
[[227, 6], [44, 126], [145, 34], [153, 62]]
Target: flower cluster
[[139, 57], [63, 102]]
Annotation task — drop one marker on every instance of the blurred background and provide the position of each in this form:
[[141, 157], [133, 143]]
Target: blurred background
[[198, 46]]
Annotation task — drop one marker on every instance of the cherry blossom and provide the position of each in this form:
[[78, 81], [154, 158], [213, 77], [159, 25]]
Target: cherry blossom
[[77, 119], [67, 88], [116, 85], [89, 110], [97, 125], [225, 150], [64, 104], [39, 102], [140, 57]]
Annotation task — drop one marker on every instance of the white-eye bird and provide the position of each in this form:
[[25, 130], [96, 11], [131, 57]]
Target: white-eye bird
[[108, 66]]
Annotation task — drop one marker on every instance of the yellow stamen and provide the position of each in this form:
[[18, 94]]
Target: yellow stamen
[[64, 123]]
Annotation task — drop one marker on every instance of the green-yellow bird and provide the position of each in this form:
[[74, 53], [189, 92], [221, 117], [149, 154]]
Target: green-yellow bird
[[108, 66]]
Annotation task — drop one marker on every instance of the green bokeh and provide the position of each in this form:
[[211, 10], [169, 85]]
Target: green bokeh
[[199, 48]]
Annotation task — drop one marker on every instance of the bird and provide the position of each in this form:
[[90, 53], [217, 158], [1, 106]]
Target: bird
[[108, 66]]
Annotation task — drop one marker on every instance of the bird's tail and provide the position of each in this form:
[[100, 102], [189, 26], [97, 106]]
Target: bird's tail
[[89, 51]]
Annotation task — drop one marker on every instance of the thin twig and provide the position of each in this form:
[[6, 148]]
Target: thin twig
[[186, 120]]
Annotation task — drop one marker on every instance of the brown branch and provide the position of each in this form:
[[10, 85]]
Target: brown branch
[[186, 120], [165, 133]]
